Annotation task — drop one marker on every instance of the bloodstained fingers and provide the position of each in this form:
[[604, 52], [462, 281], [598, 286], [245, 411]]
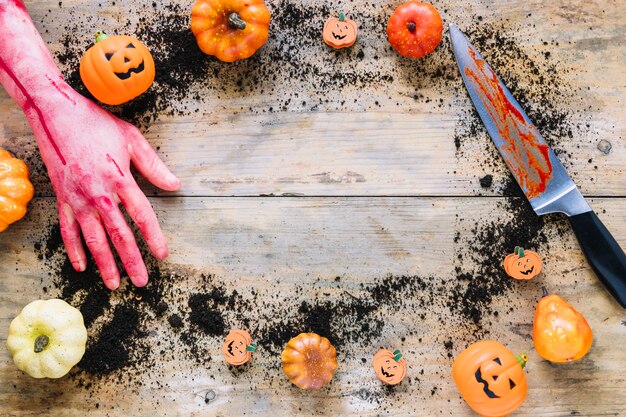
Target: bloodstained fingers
[[70, 232], [124, 241], [140, 210], [98, 244], [148, 163]]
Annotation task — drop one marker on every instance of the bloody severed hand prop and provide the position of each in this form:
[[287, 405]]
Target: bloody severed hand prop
[[87, 152]]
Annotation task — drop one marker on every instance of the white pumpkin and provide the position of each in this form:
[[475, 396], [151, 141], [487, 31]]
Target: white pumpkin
[[47, 338]]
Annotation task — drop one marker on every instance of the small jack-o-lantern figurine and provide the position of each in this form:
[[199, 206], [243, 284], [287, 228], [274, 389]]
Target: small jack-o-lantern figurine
[[309, 361], [16, 190], [491, 378], [238, 347], [522, 264], [560, 333], [117, 68], [340, 32], [390, 367]]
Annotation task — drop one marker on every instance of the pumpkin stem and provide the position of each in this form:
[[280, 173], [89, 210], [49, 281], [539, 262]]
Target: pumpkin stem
[[412, 27], [41, 342], [236, 22], [342, 17], [100, 36], [251, 347], [397, 355], [521, 252], [545, 292], [522, 359]]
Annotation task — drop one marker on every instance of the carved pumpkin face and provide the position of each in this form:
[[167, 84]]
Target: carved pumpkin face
[[238, 347], [523, 264], [390, 367], [309, 361], [560, 333], [340, 32], [117, 68], [490, 378]]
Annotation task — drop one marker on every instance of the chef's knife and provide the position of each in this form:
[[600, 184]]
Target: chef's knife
[[536, 168]]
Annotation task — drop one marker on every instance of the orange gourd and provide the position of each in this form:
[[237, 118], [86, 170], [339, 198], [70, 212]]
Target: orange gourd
[[238, 347], [309, 361], [230, 29], [339, 32], [117, 68], [390, 367], [415, 29], [523, 264], [16, 189], [560, 333], [491, 378]]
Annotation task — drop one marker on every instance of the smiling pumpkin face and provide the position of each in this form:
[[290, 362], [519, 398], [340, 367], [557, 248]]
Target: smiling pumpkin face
[[340, 32], [389, 366], [238, 347], [117, 68], [491, 378], [523, 264]]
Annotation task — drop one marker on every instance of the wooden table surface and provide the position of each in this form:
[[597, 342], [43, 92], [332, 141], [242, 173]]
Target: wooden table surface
[[316, 181]]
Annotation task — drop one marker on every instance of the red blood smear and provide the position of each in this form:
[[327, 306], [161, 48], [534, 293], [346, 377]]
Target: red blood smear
[[523, 152]]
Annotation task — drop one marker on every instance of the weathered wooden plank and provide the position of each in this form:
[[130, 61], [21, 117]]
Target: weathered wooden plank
[[390, 127], [288, 250]]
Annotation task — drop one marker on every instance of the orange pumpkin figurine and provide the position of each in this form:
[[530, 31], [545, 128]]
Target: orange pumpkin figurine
[[309, 361], [230, 29], [16, 190], [491, 378], [238, 347], [560, 333], [117, 68], [340, 32], [390, 366], [522, 264]]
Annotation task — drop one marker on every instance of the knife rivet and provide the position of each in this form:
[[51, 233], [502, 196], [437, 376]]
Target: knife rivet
[[411, 26]]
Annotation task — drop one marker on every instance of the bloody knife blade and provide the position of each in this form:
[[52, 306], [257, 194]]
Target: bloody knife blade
[[537, 170]]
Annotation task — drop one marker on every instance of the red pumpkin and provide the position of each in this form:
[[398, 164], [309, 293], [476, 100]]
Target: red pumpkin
[[415, 29], [491, 378]]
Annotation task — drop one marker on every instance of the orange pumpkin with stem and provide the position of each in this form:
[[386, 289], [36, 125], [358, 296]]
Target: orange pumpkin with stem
[[309, 361], [340, 32], [522, 264], [117, 68], [390, 367], [491, 378], [560, 333], [238, 347], [16, 189], [230, 29]]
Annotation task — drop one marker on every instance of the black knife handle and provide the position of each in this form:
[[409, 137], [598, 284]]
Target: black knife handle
[[605, 256]]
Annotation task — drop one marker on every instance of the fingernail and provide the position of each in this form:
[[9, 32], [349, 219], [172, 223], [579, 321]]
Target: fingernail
[[112, 284], [79, 265], [139, 282], [161, 252]]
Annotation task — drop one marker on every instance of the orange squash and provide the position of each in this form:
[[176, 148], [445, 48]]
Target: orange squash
[[491, 378], [390, 367], [230, 29], [309, 361], [522, 264], [339, 32], [560, 333], [117, 68], [238, 347], [16, 189]]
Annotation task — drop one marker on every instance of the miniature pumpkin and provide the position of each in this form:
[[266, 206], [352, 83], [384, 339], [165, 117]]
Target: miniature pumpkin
[[390, 367], [230, 29], [47, 338], [522, 264], [560, 333], [117, 68], [309, 361], [339, 32], [238, 347], [491, 378], [415, 29], [16, 189]]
